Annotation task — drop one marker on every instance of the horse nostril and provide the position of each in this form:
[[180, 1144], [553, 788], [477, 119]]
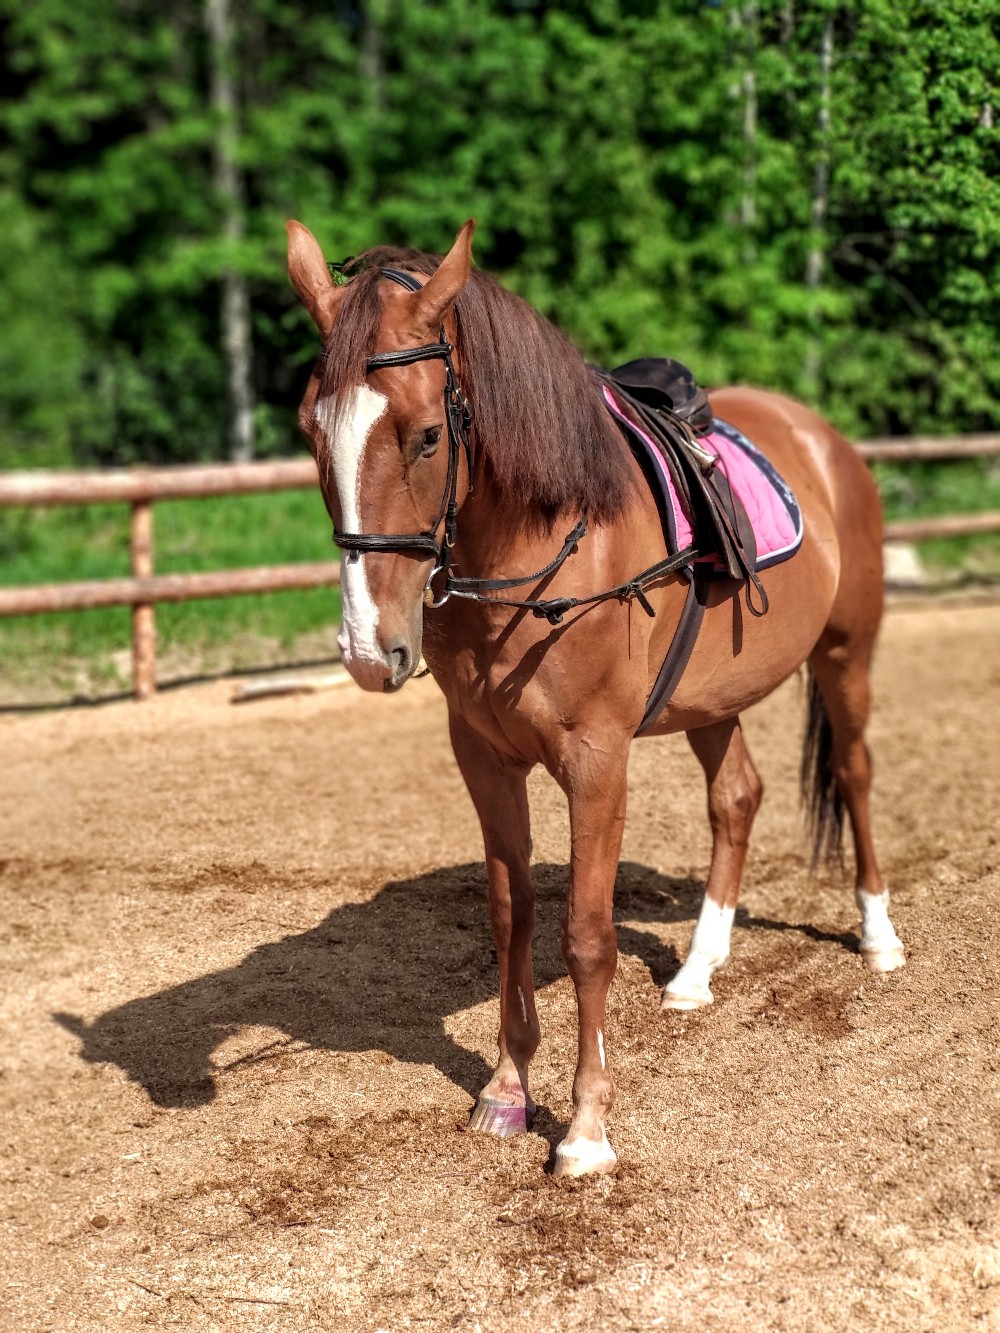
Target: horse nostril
[[402, 663]]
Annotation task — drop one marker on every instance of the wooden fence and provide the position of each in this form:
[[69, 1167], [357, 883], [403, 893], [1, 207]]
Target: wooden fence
[[142, 487]]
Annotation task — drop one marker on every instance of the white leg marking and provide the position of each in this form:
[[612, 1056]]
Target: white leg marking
[[358, 638], [709, 951], [881, 947], [583, 1156], [600, 1048]]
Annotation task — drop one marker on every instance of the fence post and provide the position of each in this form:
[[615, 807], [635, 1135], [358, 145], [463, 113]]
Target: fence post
[[143, 614]]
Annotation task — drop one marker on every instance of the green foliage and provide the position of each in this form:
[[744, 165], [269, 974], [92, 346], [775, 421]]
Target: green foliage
[[918, 207], [645, 171], [41, 357]]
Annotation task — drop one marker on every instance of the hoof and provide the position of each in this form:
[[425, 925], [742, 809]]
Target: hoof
[[500, 1119], [687, 1000], [585, 1157], [690, 987], [883, 960]]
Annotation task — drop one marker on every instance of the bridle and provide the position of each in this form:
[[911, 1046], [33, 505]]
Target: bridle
[[458, 416]]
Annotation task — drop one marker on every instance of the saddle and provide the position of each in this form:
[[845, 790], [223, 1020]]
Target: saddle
[[666, 385], [665, 416], [662, 396]]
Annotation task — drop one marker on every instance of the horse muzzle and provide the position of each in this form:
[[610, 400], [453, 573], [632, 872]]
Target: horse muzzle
[[375, 670]]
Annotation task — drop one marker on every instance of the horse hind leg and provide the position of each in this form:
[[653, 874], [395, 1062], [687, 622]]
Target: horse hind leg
[[836, 775], [734, 795]]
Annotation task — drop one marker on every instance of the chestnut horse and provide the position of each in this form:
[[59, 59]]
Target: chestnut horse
[[414, 349]]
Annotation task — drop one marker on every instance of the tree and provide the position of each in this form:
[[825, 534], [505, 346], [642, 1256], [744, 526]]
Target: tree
[[228, 180], [797, 193]]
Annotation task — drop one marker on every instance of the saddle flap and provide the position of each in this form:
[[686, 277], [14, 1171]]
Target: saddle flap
[[735, 510]]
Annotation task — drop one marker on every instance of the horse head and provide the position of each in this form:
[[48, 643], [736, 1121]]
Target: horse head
[[383, 415]]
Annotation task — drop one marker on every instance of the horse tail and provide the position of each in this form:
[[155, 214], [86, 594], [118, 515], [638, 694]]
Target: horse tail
[[824, 805]]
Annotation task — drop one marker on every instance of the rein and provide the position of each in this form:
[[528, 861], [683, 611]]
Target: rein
[[553, 609]]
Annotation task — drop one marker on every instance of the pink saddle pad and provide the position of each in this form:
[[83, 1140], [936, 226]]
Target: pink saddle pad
[[771, 507]]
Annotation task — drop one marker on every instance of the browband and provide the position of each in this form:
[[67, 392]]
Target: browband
[[407, 355]]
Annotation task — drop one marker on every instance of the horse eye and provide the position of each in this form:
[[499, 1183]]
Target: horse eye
[[431, 440]]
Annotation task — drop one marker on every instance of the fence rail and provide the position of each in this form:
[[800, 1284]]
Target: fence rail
[[142, 487], [136, 485], [140, 591], [922, 449]]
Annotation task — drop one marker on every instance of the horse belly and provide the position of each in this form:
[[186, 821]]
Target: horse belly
[[740, 659]]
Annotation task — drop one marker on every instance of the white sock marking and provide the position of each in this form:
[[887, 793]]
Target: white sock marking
[[877, 933], [577, 1157], [709, 950], [712, 932], [358, 636]]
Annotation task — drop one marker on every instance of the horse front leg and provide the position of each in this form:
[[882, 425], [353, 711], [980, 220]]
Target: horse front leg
[[595, 784], [498, 788]]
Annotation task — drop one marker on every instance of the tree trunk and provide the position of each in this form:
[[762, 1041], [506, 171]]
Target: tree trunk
[[372, 59], [236, 326], [816, 259], [744, 19]]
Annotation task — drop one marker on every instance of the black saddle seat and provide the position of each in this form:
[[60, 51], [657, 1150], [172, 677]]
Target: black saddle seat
[[663, 383]]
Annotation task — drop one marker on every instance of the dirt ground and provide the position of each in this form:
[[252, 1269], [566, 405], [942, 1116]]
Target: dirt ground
[[249, 996]]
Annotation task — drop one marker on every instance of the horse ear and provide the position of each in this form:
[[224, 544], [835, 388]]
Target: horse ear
[[436, 296], [310, 277]]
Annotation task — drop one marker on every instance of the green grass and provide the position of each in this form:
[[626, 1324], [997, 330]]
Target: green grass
[[63, 544], [66, 544], [925, 490]]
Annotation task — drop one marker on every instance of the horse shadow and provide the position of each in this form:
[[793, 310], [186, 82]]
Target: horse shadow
[[383, 974]]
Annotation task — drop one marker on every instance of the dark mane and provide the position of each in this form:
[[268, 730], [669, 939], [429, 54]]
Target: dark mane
[[540, 423]]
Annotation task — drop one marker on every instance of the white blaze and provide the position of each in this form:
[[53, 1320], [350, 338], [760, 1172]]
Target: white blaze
[[358, 636]]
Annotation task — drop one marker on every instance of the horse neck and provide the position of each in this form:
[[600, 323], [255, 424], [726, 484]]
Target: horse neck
[[493, 529], [502, 536], [503, 532], [545, 441]]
